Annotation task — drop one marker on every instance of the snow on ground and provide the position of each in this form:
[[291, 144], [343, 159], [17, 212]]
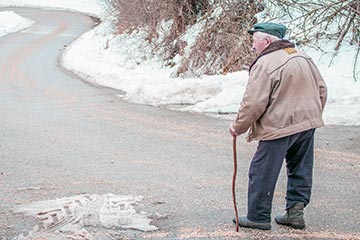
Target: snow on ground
[[93, 7], [11, 22], [125, 62], [85, 216]]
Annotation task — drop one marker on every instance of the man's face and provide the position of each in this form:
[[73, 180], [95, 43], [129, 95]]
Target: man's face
[[259, 43]]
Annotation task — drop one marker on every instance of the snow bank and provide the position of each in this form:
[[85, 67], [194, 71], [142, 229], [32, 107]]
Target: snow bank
[[11, 22], [343, 105], [127, 63], [92, 7]]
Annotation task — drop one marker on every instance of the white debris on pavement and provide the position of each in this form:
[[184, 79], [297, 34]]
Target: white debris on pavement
[[72, 217]]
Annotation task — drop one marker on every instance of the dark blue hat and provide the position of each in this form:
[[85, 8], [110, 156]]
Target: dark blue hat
[[274, 29]]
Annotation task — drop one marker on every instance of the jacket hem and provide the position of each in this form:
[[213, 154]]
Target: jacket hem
[[287, 131]]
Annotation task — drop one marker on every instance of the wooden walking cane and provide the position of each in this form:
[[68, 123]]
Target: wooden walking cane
[[233, 184]]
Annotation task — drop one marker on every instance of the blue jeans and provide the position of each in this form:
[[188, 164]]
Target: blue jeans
[[298, 152]]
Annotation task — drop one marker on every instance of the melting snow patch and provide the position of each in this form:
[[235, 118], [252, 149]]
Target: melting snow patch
[[11, 22], [72, 217]]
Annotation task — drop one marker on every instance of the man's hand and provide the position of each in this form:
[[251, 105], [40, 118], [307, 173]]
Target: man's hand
[[232, 131]]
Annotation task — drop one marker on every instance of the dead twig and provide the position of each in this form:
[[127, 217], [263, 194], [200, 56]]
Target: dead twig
[[355, 63]]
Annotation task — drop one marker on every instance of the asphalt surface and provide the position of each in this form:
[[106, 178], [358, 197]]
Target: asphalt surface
[[62, 137]]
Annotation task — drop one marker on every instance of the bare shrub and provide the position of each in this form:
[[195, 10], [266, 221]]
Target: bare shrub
[[329, 18], [322, 19], [224, 44], [149, 15]]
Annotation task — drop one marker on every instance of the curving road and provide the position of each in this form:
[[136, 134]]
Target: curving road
[[60, 136]]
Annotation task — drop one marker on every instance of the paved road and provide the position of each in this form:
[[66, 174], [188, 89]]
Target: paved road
[[62, 137]]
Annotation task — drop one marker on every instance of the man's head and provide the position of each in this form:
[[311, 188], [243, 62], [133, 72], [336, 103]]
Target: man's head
[[266, 33]]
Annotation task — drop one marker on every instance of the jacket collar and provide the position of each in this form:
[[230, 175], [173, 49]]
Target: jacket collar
[[274, 46]]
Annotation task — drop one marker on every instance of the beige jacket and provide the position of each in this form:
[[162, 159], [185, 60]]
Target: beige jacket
[[285, 95]]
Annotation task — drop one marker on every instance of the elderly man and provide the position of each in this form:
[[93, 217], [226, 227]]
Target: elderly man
[[281, 107]]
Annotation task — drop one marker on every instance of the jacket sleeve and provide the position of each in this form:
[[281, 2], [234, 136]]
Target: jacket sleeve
[[322, 86], [322, 91], [255, 99]]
